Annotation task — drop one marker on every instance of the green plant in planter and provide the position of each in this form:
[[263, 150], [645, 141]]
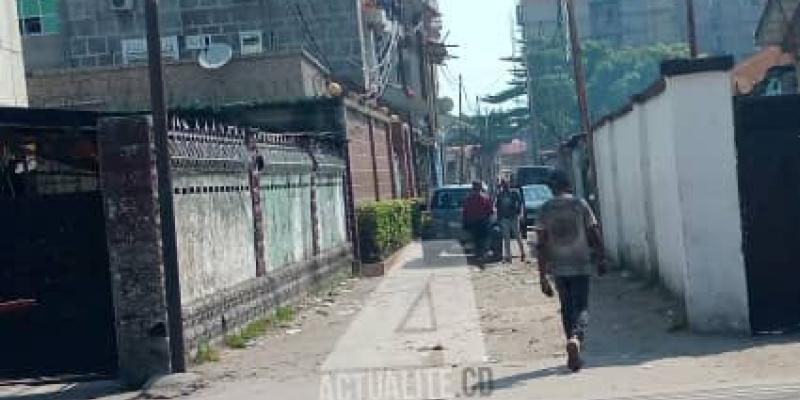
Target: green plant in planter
[[383, 227], [418, 217]]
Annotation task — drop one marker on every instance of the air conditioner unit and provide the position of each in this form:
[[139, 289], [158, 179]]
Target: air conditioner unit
[[121, 5]]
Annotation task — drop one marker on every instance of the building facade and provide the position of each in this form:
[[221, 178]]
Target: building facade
[[384, 49], [90, 33], [292, 75], [723, 26], [727, 26], [378, 46], [12, 86]]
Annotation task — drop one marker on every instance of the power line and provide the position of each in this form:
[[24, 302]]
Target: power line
[[317, 49]]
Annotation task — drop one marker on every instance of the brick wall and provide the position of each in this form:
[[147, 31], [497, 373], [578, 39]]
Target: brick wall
[[361, 163], [134, 248], [368, 134], [385, 170]]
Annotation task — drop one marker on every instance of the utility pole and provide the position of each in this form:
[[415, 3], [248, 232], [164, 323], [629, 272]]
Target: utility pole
[[691, 29], [166, 207], [580, 88], [481, 140], [461, 130], [534, 127]]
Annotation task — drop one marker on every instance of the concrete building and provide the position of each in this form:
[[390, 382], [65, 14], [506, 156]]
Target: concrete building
[[723, 26], [727, 26], [543, 19], [12, 86], [88, 33], [90, 54], [378, 46], [633, 23], [292, 75]]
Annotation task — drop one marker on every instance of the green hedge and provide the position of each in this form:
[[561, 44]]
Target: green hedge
[[418, 217], [383, 228]]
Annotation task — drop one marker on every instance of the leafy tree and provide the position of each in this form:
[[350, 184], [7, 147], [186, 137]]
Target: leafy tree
[[612, 75]]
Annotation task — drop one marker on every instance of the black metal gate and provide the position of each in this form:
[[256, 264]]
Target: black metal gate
[[56, 314], [768, 146]]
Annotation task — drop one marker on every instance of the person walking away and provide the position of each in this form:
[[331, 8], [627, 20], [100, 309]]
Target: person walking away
[[509, 209], [477, 213], [569, 246]]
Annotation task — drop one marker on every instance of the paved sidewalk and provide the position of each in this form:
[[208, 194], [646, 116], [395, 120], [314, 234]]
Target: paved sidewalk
[[435, 331]]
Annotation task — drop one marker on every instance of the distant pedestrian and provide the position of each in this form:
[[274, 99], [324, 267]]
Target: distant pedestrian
[[476, 217], [569, 246], [509, 210]]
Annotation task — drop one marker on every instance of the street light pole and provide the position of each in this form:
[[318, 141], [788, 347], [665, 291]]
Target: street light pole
[[166, 206], [691, 29]]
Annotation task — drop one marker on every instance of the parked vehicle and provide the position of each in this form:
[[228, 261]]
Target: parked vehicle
[[533, 175], [534, 197], [445, 211]]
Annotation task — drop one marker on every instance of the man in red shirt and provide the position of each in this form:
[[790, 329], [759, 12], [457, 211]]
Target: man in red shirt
[[476, 216]]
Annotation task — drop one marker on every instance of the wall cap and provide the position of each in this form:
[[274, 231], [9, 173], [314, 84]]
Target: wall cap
[[684, 66]]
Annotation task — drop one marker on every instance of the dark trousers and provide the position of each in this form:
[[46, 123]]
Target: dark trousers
[[478, 231], [573, 293]]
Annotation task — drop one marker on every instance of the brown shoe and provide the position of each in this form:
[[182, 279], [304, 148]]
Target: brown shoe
[[574, 362]]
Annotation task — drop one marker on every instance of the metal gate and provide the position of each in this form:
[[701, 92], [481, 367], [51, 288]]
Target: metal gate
[[768, 147], [56, 314]]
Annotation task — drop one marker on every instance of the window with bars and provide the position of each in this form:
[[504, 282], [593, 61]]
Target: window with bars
[[38, 17]]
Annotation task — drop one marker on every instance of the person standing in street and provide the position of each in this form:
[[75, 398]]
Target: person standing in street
[[509, 209], [476, 217], [569, 245]]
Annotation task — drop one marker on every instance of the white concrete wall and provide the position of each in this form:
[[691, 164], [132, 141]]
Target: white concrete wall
[[664, 196], [12, 72], [578, 160], [631, 193], [651, 270], [670, 200], [716, 285], [605, 185]]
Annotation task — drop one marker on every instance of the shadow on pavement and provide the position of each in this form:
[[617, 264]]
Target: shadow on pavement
[[446, 254], [74, 391], [633, 324], [509, 381]]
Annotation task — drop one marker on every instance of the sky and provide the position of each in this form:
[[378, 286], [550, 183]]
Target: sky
[[482, 29]]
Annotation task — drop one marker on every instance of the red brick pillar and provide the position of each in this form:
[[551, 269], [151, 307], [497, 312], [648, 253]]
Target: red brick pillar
[[375, 180], [133, 229], [408, 143], [390, 156]]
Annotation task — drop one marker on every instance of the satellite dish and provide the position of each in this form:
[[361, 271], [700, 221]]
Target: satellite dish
[[215, 56]]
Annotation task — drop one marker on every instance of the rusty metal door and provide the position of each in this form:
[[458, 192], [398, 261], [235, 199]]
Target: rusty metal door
[[768, 147], [56, 314]]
